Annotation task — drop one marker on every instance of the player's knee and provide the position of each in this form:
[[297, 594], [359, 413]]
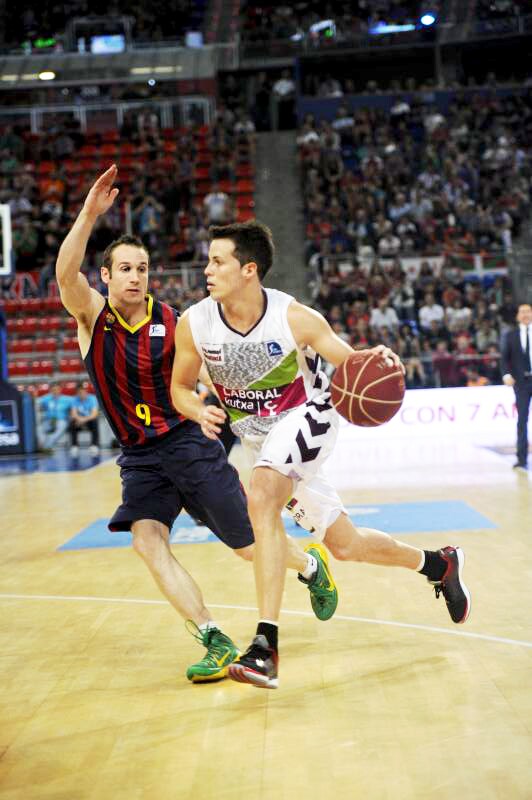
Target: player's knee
[[351, 549], [263, 502], [147, 543], [245, 552], [341, 552]]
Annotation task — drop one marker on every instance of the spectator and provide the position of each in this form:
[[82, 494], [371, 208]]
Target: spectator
[[217, 205], [55, 416], [384, 316], [84, 416], [429, 312]]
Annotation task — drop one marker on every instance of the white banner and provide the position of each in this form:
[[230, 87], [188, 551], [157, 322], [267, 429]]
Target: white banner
[[483, 415]]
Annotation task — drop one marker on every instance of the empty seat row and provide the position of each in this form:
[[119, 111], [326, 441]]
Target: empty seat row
[[31, 325], [45, 367], [32, 305]]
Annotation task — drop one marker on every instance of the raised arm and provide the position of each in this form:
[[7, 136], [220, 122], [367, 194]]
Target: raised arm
[[78, 298], [185, 374], [310, 328]]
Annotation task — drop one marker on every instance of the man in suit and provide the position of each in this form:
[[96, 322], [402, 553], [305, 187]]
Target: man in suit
[[517, 372]]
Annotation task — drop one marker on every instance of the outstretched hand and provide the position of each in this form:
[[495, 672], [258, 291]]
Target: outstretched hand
[[102, 194]]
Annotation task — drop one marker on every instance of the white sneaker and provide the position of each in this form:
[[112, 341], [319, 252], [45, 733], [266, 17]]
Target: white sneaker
[[74, 450], [94, 450]]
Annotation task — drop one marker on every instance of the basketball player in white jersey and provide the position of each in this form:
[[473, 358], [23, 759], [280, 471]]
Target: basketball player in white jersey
[[260, 348]]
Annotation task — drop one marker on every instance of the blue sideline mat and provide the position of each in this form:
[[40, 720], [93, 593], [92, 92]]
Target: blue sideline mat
[[428, 517]]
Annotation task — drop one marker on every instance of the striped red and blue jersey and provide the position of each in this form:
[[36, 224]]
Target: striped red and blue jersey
[[131, 368]]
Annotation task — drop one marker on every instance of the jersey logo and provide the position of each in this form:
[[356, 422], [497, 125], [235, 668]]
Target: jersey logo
[[274, 349], [213, 354], [157, 330], [110, 318]]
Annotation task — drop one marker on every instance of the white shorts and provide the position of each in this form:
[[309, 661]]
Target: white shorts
[[297, 446]]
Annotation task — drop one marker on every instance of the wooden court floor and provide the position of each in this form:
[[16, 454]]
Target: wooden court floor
[[387, 700]]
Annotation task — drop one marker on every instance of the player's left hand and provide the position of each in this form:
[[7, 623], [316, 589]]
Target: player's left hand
[[210, 420], [391, 358]]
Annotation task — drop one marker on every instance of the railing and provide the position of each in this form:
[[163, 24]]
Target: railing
[[172, 112], [473, 265], [308, 45]]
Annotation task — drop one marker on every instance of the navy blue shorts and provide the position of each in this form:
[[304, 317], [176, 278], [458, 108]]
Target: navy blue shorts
[[188, 471]]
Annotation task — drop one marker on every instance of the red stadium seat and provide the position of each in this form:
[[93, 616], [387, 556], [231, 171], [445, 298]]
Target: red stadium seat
[[42, 388], [245, 186], [70, 388], [47, 345], [127, 149], [201, 174], [245, 171], [28, 325], [52, 304], [109, 150], [46, 167], [21, 346], [111, 136], [69, 343], [11, 306], [245, 202], [243, 215], [41, 368], [72, 166], [68, 365], [33, 305], [226, 186], [48, 324], [18, 369], [70, 323]]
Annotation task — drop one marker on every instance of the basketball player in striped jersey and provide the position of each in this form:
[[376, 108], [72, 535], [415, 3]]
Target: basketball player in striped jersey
[[167, 463], [260, 348]]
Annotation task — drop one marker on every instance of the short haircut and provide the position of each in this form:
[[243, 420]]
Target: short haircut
[[253, 241], [125, 239]]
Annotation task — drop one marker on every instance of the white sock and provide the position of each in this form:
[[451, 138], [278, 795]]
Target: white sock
[[207, 626], [312, 566], [421, 562]]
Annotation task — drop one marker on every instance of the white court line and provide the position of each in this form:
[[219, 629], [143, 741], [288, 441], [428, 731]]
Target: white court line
[[365, 620]]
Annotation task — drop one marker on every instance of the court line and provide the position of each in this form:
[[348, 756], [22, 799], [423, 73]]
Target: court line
[[345, 618]]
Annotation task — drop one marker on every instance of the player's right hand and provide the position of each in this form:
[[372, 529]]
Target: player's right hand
[[210, 420], [102, 194]]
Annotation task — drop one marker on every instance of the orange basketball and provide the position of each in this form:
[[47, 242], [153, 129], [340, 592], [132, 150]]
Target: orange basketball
[[366, 391]]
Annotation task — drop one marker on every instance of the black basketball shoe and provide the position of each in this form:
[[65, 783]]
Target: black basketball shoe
[[452, 586], [257, 666]]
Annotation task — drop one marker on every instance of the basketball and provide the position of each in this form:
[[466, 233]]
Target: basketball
[[366, 390]]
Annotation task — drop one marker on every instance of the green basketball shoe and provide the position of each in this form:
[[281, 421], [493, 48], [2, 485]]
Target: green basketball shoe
[[220, 653], [322, 588]]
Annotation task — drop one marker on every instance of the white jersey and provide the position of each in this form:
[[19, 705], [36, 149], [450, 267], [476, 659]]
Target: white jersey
[[259, 376]]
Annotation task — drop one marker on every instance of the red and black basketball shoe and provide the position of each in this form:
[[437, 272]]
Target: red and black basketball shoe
[[257, 666], [452, 587]]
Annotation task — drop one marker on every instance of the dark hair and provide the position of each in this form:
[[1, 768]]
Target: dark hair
[[125, 239], [253, 241]]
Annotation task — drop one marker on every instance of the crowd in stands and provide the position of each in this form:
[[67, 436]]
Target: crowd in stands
[[157, 20], [497, 10], [174, 182], [269, 21], [379, 187]]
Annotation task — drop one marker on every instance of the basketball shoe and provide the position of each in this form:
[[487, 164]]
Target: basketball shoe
[[220, 653], [452, 587], [257, 666], [322, 588]]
